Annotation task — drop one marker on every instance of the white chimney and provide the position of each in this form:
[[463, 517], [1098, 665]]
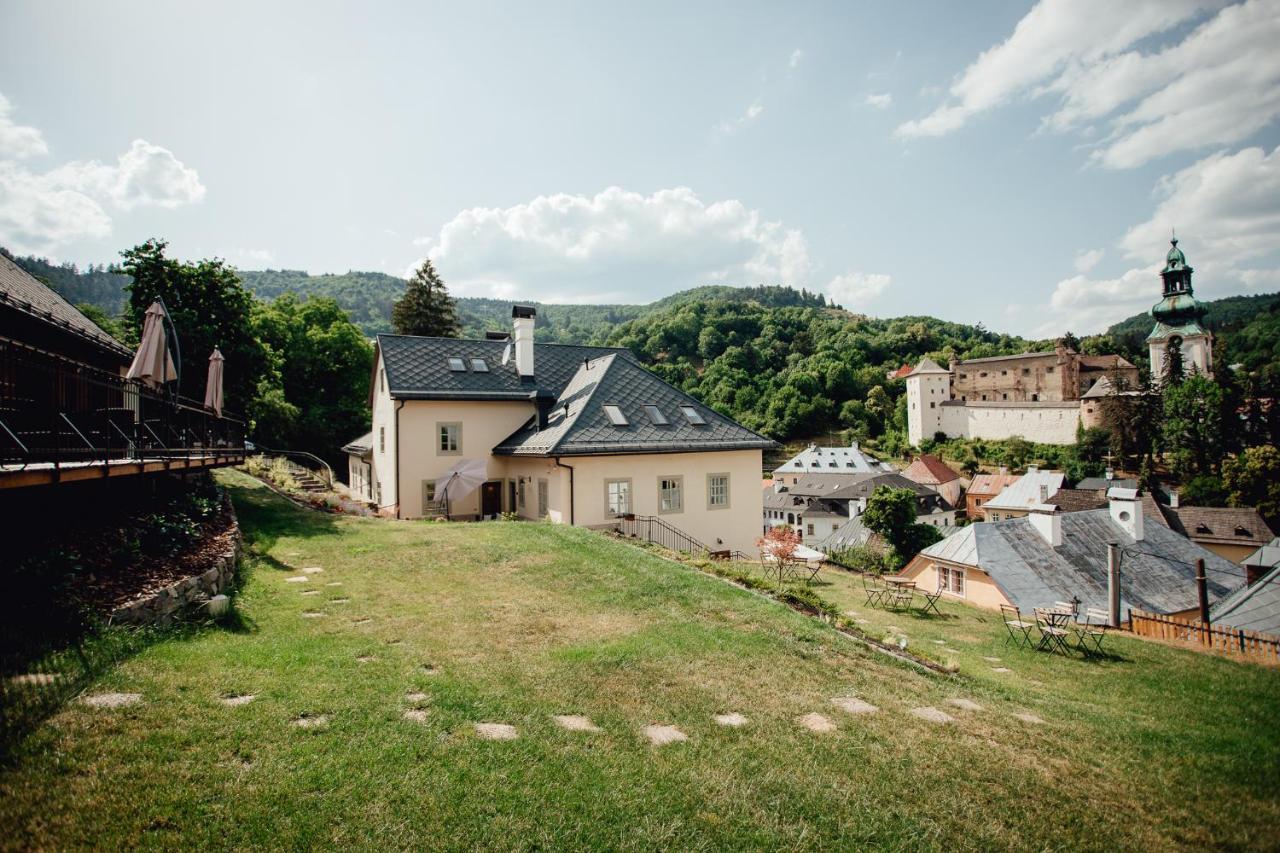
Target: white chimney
[[522, 316], [1044, 493], [1126, 510], [1048, 523]]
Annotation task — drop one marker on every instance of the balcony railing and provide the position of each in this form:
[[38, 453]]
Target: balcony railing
[[59, 411]]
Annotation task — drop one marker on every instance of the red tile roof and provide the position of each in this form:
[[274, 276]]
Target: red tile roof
[[929, 470], [992, 484]]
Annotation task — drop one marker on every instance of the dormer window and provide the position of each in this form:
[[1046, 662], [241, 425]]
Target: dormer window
[[692, 415], [1243, 531], [457, 365], [1203, 528], [479, 365], [655, 415], [615, 415]]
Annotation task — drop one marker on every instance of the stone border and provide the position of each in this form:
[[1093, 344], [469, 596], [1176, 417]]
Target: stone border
[[161, 608]]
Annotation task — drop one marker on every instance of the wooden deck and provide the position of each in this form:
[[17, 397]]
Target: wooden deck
[[48, 473]]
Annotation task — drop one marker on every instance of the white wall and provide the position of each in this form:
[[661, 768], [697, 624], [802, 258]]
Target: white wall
[[1197, 351], [925, 395], [383, 456], [1046, 423]]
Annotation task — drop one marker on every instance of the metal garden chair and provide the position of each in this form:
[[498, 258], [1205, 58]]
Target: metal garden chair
[[875, 592], [930, 601], [900, 596], [1019, 629], [1053, 637], [1092, 631]]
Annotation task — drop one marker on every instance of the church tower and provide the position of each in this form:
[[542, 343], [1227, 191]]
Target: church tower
[[1178, 317]]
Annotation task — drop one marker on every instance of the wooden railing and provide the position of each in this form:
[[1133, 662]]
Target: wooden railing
[[1222, 638]]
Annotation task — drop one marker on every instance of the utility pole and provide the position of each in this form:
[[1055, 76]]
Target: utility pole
[[1113, 583], [1202, 588]]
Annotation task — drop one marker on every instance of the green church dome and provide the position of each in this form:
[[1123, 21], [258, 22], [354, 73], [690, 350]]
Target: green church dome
[[1179, 310]]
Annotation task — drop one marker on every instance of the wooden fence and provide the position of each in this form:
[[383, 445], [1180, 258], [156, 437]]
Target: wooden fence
[[1220, 638]]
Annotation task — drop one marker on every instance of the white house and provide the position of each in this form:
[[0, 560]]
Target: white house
[[577, 435]]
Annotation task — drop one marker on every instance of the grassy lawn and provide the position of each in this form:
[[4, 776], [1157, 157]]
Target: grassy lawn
[[516, 622]]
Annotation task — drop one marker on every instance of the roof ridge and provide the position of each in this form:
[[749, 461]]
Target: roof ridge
[[590, 396], [487, 341]]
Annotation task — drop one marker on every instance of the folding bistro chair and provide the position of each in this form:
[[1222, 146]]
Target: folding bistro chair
[[930, 601], [1091, 632], [875, 592], [1052, 637], [900, 596], [1019, 629]]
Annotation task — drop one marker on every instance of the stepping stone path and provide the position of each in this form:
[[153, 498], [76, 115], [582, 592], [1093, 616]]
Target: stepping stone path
[[663, 735], [853, 705], [991, 660], [112, 700], [816, 723], [366, 659], [297, 579], [964, 704], [339, 600], [496, 731], [933, 715], [733, 720], [364, 621], [311, 614], [951, 650], [311, 721], [576, 723], [939, 642], [415, 715], [1001, 669], [35, 678], [334, 583], [312, 570], [237, 700], [310, 592], [1029, 718], [416, 697]]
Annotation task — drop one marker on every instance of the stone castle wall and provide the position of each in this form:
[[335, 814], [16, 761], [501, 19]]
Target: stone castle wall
[[1043, 423]]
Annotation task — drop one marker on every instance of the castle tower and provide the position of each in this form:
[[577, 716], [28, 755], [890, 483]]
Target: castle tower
[[928, 386], [1178, 317]]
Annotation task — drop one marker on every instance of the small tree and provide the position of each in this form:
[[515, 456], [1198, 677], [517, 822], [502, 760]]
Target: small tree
[[780, 543], [892, 513], [1174, 368], [426, 307], [1253, 479], [1193, 428]]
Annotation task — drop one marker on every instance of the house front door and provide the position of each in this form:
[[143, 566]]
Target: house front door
[[491, 499]]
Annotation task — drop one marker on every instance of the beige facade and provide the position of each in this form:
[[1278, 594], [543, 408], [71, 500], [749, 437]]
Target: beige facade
[[973, 586], [1047, 377]]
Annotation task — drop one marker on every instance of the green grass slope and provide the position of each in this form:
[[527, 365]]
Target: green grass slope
[[515, 622]]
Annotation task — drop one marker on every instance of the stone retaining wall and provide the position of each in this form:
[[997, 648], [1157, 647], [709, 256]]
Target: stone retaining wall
[[162, 607]]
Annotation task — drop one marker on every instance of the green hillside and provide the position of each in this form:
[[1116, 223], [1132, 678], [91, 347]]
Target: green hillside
[[1222, 315]]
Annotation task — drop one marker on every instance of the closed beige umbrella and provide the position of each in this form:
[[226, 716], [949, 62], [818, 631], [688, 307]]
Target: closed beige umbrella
[[213, 388], [152, 364]]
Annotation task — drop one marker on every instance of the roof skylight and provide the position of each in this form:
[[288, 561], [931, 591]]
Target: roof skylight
[[616, 417], [457, 365], [655, 415], [692, 415], [479, 365]]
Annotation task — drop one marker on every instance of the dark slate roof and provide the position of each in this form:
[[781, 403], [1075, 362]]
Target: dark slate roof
[[825, 484], [24, 292], [1254, 608], [864, 486], [1157, 573], [1220, 525], [1075, 500], [418, 368], [1101, 484], [577, 424], [359, 446]]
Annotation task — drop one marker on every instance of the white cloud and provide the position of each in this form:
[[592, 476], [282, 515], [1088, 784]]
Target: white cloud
[[1087, 259], [40, 211], [880, 102], [255, 257], [17, 141], [615, 246], [796, 56], [1084, 305], [854, 289], [1218, 85], [754, 111]]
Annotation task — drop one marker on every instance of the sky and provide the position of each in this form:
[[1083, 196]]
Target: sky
[[1018, 165]]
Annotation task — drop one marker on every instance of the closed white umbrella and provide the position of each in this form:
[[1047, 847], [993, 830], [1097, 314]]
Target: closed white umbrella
[[462, 479], [213, 388], [152, 364]]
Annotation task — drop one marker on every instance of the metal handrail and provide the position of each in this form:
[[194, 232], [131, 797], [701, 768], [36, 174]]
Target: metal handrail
[[669, 536], [270, 452]]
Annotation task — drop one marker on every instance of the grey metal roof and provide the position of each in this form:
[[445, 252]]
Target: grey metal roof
[[359, 446], [928, 365], [1267, 555], [823, 485], [1157, 573], [577, 424], [418, 368], [863, 486], [832, 460], [26, 293], [1101, 484], [1254, 608], [1026, 491]]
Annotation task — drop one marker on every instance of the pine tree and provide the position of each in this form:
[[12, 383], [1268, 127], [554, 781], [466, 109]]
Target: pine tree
[[426, 307], [1174, 369]]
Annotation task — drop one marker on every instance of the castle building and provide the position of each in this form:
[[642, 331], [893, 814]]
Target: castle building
[[1046, 396]]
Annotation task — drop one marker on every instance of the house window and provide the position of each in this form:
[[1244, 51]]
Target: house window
[[479, 365], [520, 501], [1026, 371], [1035, 397], [692, 415], [1004, 396], [544, 498], [1004, 373], [616, 417], [428, 492], [382, 380], [983, 374], [1048, 370], [951, 581], [932, 405], [808, 529], [655, 415], [717, 491], [671, 494], [617, 497], [457, 365], [450, 438]]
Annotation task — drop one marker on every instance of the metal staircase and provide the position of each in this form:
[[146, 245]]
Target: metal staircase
[[650, 528]]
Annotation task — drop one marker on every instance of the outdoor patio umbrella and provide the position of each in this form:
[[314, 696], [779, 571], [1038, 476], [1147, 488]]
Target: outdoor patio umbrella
[[213, 388], [152, 364], [461, 480]]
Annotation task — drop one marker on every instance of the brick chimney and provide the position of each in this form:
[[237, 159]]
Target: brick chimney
[[522, 317]]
